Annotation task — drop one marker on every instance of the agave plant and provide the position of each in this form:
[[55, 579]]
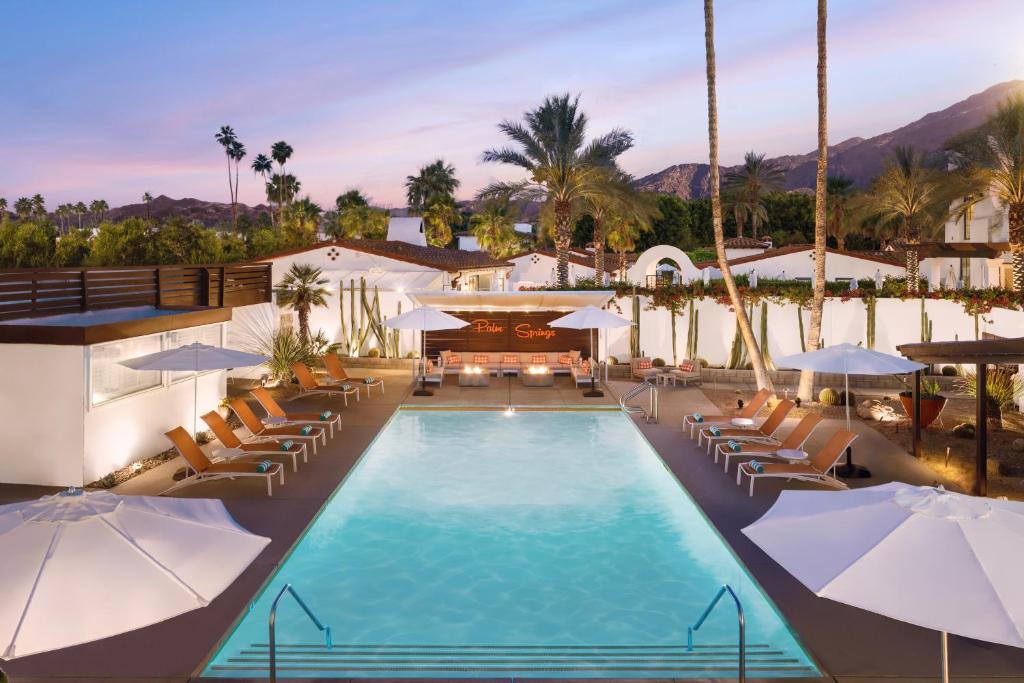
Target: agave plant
[[1001, 387]]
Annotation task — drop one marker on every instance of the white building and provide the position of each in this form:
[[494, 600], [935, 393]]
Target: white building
[[796, 262], [738, 247], [389, 269], [408, 229], [975, 253]]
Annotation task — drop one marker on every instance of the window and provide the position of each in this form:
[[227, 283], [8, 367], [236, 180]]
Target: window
[[110, 380], [965, 272], [208, 334]]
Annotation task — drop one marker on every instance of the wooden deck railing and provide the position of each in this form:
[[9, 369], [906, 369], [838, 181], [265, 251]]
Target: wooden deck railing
[[29, 292]]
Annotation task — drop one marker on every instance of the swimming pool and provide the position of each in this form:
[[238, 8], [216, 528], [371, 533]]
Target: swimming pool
[[543, 544]]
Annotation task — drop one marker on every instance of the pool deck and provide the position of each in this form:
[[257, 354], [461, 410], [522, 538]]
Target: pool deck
[[851, 645]]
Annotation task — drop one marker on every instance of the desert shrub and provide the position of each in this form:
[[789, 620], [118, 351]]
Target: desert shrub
[[703, 362], [612, 360], [847, 399], [949, 371], [1001, 386], [658, 363], [373, 353]]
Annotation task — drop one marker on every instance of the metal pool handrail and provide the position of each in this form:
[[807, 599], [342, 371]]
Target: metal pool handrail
[[272, 626], [652, 414], [741, 622]]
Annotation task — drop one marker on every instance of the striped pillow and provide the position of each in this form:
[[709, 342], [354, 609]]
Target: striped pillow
[[453, 360], [565, 359], [430, 365], [643, 364], [687, 366], [510, 358], [585, 366], [481, 359], [539, 359]]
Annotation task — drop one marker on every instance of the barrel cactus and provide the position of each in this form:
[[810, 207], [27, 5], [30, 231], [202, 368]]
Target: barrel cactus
[[847, 400], [828, 397]]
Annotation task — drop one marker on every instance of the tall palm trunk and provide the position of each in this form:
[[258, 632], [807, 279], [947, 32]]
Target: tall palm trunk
[[563, 236], [805, 389], [304, 326], [622, 266], [231, 192], [764, 381], [598, 250], [234, 203], [913, 239], [1015, 221]]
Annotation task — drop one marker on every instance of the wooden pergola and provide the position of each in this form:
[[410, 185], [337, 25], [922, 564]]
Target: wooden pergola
[[981, 354]]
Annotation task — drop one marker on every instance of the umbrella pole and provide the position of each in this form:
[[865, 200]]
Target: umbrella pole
[[593, 392], [945, 657], [195, 403], [423, 391], [849, 470]]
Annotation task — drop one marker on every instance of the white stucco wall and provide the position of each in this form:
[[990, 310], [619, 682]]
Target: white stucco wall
[[540, 269], [801, 264]]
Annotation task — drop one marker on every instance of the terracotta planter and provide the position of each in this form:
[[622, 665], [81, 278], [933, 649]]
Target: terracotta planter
[[931, 406]]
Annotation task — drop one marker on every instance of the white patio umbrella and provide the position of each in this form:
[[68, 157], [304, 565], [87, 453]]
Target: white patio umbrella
[[940, 560], [878, 279], [753, 278], [592, 318], [424, 319], [78, 566], [848, 359], [194, 358]]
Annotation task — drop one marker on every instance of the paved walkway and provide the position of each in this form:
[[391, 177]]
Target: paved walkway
[[853, 646]]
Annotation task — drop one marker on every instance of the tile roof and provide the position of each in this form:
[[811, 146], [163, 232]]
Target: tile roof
[[796, 248], [746, 243], [611, 259], [449, 260]]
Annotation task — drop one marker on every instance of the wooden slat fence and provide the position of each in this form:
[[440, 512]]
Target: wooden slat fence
[[30, 292]]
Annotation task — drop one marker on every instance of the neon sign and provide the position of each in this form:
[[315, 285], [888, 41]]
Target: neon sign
[[527, 331]]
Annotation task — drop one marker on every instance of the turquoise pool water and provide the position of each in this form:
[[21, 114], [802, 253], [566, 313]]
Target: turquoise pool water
[[544, 544]]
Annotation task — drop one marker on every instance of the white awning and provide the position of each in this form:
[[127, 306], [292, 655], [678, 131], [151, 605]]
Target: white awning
[[511, 301], [388, 280]]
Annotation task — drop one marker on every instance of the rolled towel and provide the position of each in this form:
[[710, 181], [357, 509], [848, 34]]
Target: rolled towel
[[714, 431], [697, 417], [733, 446], [264, 466], [369, 380], [326, 415], [755, 466], [307, 430], [287, 445], [346, 387]]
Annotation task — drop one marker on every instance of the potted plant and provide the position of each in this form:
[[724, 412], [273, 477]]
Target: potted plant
[[224, 407], [932, 402]]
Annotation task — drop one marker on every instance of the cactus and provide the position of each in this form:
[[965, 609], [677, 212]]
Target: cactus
[[847, 399], [672, 320], [870, 304], [926, 324], [634, 330], [738, 352], [353, 333], [764, 337], [828, 397], [692, 332], [977, 327], [800, 322]]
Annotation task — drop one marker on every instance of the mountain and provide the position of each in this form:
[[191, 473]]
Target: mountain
[[207, 213], [857, 158]]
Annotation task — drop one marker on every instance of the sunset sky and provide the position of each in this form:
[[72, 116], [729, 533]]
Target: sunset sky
[[106, 99]]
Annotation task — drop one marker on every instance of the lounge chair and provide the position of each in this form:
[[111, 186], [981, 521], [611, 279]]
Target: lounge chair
[[309, 386], [279, 417], [763, 432], [206, 470], [686, 371], [267, 449], [752, 408], [338, 374], [794, 441], [815, 469], [433, 373], [643, 369], [261, 432], [581, 374]]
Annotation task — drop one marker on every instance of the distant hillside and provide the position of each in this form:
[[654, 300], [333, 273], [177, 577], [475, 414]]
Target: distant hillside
[[857, 158], [207, 213]]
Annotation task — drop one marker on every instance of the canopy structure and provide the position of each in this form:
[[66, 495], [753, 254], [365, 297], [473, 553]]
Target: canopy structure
[[981, 354], [195, 358], [940, 560], [78, 566], [511, 301]]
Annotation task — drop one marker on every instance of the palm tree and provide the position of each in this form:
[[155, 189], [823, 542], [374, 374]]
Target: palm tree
[[746, 187], [349, 200], [621, 200], [147, 199], [283, 189], [38, 206], [235, 153], [439, 216], [805, 387], [227, 139], [263, 166], [994, 157], [563, 169], [360, 222], [3, 210], [23, 207], [839, 220], [307, 213], [764, 381], [914, 199], [301, 289], [494, 229], [281, 152], [80, 209], [98, 207], [621, 237], [434, 182]]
